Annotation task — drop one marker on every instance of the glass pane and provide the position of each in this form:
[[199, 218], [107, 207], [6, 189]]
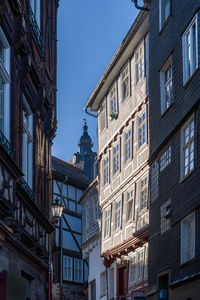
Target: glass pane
[[68, 241], [71, 192], [72, 205], [79, 194], [74, 223]]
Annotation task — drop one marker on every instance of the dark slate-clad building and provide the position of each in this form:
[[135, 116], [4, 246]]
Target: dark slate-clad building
[[174, 123], [27, 127]]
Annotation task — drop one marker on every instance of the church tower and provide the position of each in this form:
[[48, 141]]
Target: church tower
[[85, 158]]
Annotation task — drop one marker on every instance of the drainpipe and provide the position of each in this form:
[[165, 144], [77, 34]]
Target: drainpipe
[[139, 7], [86, 110]]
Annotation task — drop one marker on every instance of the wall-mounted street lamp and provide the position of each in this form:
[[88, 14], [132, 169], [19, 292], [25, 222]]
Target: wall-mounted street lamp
[[57, 209]]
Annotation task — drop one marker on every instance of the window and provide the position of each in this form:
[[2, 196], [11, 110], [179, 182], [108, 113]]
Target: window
[[106, 170], [166, 86], [165, 159], [139, 63], [165, 10], [187, 148], [116, 158], [113, 99], [35, 6], [67, 268], [125, 77], [154, 180], [128, 144], [142, 130], [163, 282], [143, 193], [133, 268], [190, 50], [102, 116], [118, 214], [107, 216], [140, 263], [92, 286], [103, 284], [4, 85], [27, 280], [27, 151], [188, 238], [130, 205], [78, 270], [165, 214]]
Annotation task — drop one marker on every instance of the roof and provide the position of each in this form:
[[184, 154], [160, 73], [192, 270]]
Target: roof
[[66, 171], [139, 28]]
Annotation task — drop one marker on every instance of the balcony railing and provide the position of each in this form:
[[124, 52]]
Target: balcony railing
[[36, 27], [28, 189], [6, 145]]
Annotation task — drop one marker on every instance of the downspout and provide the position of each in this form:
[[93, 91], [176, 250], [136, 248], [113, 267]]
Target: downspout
[[139, 7], [85, 109]]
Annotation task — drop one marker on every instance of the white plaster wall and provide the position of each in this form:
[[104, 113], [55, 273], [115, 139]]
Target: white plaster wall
[[96, 267]]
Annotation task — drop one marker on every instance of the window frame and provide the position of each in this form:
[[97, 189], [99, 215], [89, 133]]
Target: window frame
[[106, 169], [107, 222], [185, 146], [128, 141], [126, 77], [114, 98], [103, 114], [164, 84], [64, 259], [116, 158], [78, 269], [188, 73], [5, 80], [27, 143], [143, 189], [163, 21], [36, 8], [130, 217], [141, 125], [118, 214], [139, 61], [183, 236]]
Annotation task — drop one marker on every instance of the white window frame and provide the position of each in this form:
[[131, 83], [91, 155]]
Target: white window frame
[[5, 85], [102, 116], [113, 97], [125, 82], [116, 157], [140, 264], [118, 214], [106, 170], [128, 144], [107, 222], [142, 129], [130, 195], [187, 147], [35, 6], [165, 158], [143, 193], [190, 51], [139, 62], [67, 267], [163, 16], [27, 144], [188, 238], [78, 269], [132, 269], [166, 85]]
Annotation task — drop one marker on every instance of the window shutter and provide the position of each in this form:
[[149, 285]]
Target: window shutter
[[129, 68]]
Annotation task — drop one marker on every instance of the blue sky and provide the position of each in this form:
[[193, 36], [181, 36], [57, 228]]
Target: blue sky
[[89, 33]]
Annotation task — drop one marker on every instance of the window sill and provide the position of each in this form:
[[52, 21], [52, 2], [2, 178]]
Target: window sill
[[186, 176], [191, 261], [165, 24], [166, 111], [185, 85]]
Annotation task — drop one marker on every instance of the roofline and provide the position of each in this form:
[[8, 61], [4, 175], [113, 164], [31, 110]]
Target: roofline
[[116, 57]]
